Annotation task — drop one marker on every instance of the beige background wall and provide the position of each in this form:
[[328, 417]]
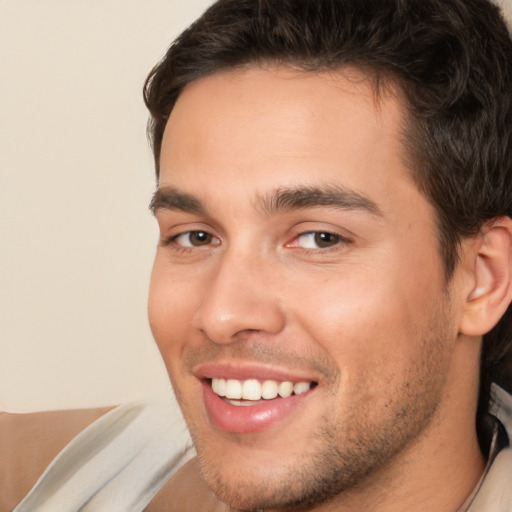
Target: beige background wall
[[506, 7], [76, 237]]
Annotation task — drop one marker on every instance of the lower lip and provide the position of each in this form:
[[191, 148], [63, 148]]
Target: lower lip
[[251, 418]]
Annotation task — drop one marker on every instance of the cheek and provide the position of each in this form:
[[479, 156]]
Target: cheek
[[367, 321], [170, 309]]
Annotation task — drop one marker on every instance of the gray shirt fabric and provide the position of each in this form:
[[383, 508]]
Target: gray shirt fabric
[[494, 492], [122, 460], [117, 464]]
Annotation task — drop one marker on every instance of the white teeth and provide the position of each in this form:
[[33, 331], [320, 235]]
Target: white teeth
[[253, 390], [301, 387], [285, 389], [241, 403], [233, 389], [219, 386], [269, 389]]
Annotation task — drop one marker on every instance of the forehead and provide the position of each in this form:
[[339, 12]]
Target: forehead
[[274, 127]]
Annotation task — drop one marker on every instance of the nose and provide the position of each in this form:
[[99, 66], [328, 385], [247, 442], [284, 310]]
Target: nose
[[239, 299]]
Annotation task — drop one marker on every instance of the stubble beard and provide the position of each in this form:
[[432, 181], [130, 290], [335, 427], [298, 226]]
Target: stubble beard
[[329, 470], [346, 454]]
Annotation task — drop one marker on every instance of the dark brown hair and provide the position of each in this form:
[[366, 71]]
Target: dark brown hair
[[452, 59]]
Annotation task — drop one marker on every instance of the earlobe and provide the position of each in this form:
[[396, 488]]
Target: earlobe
[[491, 291]]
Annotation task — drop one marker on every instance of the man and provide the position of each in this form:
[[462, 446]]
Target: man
[[331, 289]]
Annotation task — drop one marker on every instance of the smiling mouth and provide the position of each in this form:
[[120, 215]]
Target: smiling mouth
[[252, 391]]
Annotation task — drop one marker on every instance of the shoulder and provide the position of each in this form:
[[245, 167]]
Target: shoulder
[[29, 442], [125, 456]]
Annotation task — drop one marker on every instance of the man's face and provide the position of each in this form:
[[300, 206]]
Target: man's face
[[296, 251]]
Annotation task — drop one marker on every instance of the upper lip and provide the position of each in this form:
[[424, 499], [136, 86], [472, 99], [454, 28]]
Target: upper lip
[[245, 371]]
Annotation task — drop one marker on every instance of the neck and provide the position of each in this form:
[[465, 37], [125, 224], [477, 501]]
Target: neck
[[441, 467], [441, 480]]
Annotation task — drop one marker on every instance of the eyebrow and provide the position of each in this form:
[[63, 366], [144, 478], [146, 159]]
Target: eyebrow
[[169, 198], [280, 200], [301, 198]]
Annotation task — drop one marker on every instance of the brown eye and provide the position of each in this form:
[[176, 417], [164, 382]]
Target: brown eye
[[323, 240], [195, 239], [200, 238], [318, 240]]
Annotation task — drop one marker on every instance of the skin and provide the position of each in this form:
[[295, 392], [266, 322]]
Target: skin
[[369, 315]]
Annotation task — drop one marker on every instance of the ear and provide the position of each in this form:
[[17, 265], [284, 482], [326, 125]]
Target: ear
[[490, 260]]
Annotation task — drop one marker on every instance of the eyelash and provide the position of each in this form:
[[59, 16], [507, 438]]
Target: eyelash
[[316, 236], [173, 240]]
